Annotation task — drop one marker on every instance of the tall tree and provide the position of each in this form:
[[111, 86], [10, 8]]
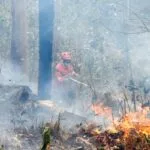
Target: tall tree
[[19, 35], [126, 14], [46, 16]]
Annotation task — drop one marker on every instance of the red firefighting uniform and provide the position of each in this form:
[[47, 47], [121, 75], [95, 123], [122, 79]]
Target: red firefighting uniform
[[65, 89]]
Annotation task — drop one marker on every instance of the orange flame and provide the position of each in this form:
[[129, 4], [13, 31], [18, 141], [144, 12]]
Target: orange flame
[[132, 120], [135, 120], [100, 109]]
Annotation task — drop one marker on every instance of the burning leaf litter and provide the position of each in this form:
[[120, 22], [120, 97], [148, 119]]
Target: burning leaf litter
[[131, 132]]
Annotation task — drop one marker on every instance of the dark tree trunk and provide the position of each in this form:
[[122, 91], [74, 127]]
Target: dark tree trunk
[[46, 16]]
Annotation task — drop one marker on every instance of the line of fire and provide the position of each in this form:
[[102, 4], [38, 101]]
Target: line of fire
[[74, 75]]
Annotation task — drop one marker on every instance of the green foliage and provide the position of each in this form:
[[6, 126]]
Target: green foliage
[[1, 147], [100, 148], [46, 137]]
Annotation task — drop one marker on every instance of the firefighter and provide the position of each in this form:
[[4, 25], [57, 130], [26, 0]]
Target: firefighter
[[63, 71]]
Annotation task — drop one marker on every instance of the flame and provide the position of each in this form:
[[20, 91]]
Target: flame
[[137, 121], [100, 109], [95, 131]]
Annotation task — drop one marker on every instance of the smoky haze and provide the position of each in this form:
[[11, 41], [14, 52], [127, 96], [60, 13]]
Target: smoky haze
[[109, 41], [105, 36]]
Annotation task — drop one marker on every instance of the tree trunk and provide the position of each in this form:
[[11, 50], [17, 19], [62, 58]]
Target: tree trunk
[[126, 41], [19, 35], [46, 16]]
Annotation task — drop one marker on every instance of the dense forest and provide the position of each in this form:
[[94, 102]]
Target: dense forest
[[114, 34], [110, 53]]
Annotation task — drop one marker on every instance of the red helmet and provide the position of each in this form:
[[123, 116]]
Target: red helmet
[[66, 56]]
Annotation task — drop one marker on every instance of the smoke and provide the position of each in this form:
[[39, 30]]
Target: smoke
[[96, 33], [15, 118], [102, 29], [11, 75]]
